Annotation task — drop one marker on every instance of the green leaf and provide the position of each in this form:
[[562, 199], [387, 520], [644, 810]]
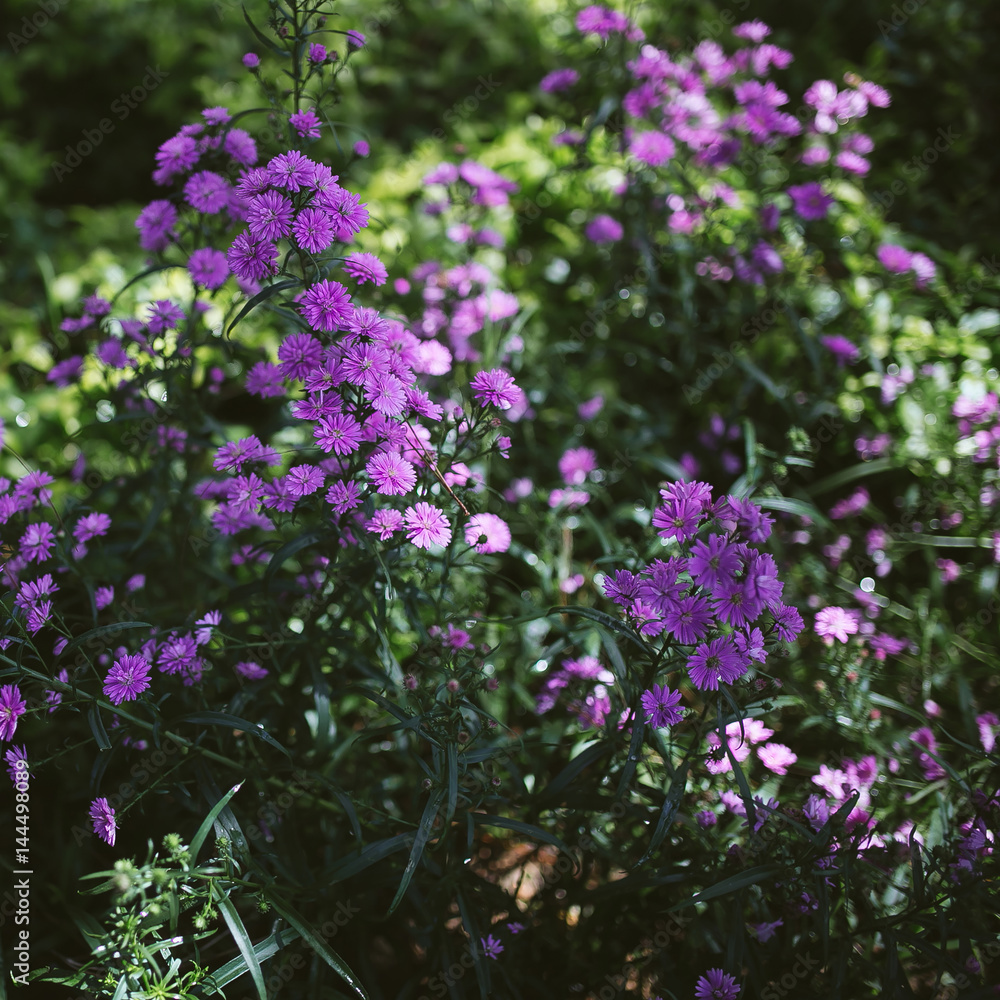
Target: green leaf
[[199, 837], [792, 505], [262, 296], [97, 727], [242, 939], [750, 877], [601, 618], [264, 950], [670, 805], [419, 842], [849, 475], [569, 773], [318, 943], [368, 856], [288, 550], [101, 631], [261, 37], [233, 722]]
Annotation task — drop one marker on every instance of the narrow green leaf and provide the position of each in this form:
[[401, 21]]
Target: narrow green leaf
[[100, 632], [318, 943], [452, 777], [288, 550], [367, 857], [242, 939], [419, 842], [262, 296], [234, 722], [750, 877], [261, 37], [97, 727], [792, 505], [601, 618], [571, 771], [670, 805], [266, 949], [849, 475], [199, 837]]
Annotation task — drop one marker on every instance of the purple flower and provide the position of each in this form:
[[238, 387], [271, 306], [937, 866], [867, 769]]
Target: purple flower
[[894, 258], [677, 518], [252, 260], [156, 225], [689, 619], [317, 52], [355, 38], [304, 480], [251, 671], [714, 661], [350, 215], [765, 931], [305, 123], [559, 79], [361, 148], [290, 170], [326, 306], [314, 230], [251, 60], [12, 707], [241, 147], [491, 947], [715, 563], [208, 268], [652, 148], [207, 191], [776, 757], [365, 267], [603, 229], [495, 387], [37, 541], [340, 433], [841, 348], [385, 523], [809, 201], [103, 817], [392, 474], [269, 216], [488, 533], [426, 526], [716, 985], [127, 679], [660, 705], [17, 764], [752, 31], [176, 156], [575, 464]]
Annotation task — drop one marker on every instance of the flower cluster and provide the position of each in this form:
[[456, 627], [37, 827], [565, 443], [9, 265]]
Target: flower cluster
[[716, 598]]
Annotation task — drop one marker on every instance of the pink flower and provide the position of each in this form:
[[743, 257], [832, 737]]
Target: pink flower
[[488, 533], [426, 526], [837, 623], [575, 464]]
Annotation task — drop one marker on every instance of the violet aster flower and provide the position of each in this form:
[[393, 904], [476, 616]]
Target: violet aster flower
[[127, 679], [716, 985], [689, 619], [251, 60], [156, 225], [305, 123], [12, 707], [776, 757], [343, 496], [765, 931], [207, 191], [603, 229], [392, 474], [575, 464], [314, 230], [809, 201], [208, 268], [346, 209], [365, 267], [495, 387], [491, 947], [17, 764], [426, 525], [894, 258], [841, 348], [252, 260], [340, 433], [558, 79], [652, 148], [385, 523], [290, 170], [326, 305], [836, 623], [37, 541], [713, 661], [488, 533], [251, 671], [103, 817], [660, 705], [241, 147], [269, 216]]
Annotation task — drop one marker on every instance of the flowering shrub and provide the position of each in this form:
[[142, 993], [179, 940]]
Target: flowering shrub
[[461, 661]]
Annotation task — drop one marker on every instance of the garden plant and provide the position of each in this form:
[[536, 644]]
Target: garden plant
[[558, 562]]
